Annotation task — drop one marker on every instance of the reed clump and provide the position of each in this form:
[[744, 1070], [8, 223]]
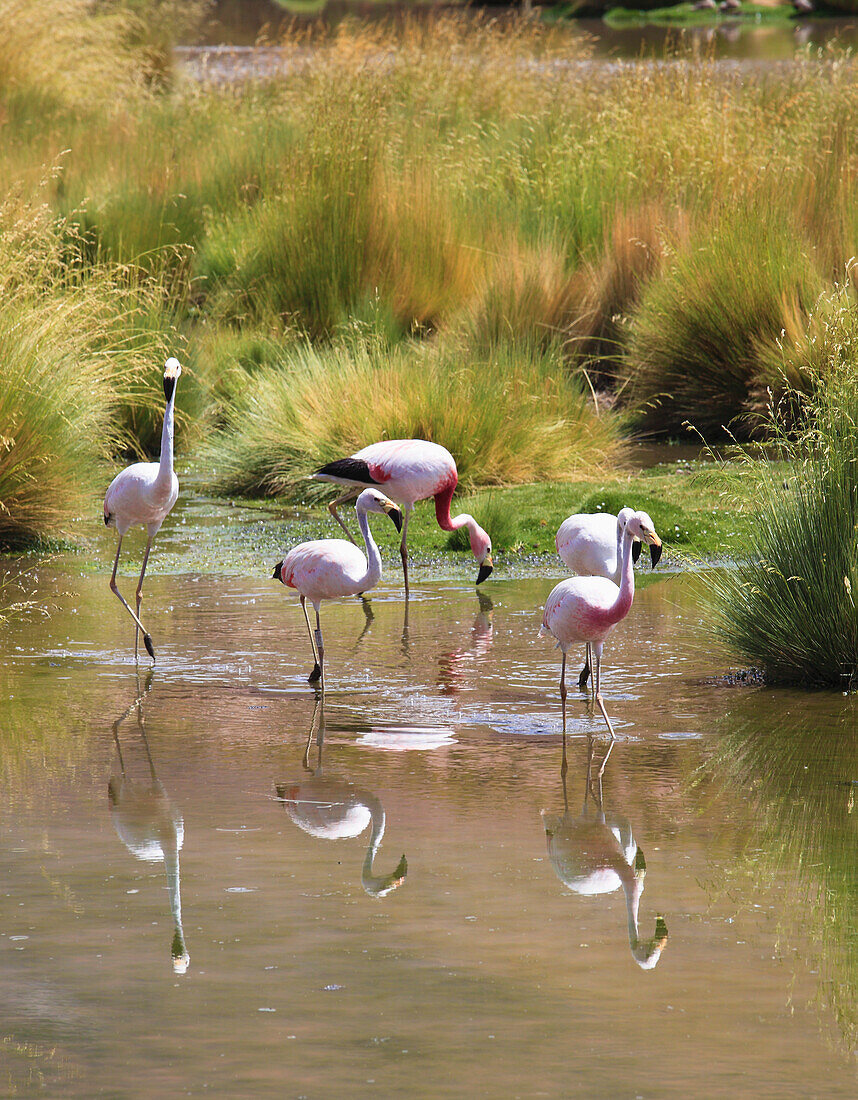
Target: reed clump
[[508, 417], [792, 605]]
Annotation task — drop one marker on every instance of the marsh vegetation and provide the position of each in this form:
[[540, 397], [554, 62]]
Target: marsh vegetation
[[451, 228]]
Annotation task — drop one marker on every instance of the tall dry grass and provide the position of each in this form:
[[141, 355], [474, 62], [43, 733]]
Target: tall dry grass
[[507, 417]]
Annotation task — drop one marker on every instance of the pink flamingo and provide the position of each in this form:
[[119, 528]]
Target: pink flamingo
[[590, 544], [586, 609], [327, 568], [408, 470], [143, 494]]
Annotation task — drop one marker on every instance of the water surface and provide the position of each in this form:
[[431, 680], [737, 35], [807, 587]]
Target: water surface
[[196, 899]]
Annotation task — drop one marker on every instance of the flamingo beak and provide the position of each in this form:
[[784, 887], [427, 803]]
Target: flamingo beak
[[655, 553], [395, 514], [636, 550], [172, 370], [485, 569], [276, 576]]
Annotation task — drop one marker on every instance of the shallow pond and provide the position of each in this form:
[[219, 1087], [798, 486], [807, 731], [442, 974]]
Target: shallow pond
[[197, 898]]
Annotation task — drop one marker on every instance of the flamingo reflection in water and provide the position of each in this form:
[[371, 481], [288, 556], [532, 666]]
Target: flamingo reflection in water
[[148, 824], [453, 667], [596, 853], [335, 809]]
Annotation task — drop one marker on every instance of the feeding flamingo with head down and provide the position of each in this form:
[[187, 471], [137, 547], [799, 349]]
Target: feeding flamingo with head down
[[586, 609], [590, 544], [408, 470], [143, 494], [327, 568]]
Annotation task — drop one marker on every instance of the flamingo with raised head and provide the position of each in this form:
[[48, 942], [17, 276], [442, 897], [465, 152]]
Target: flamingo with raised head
[[142, 495], [586, 609], [408, 470], [325, 569], [590, 544]]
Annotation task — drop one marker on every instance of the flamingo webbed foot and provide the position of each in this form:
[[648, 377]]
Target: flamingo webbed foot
[[150, 649], [316, 674]]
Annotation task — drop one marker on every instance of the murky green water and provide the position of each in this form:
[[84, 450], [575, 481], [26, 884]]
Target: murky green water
[[188, 832]]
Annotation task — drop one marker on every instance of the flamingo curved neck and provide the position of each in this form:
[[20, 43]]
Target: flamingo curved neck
[[626, 593], [165, 465], [373, 558], [446, 522]]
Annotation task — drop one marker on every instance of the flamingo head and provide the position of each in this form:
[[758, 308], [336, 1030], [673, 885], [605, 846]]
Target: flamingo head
[[371, 500], [641, 527], [172, 370], [623, 517], [481, 548]]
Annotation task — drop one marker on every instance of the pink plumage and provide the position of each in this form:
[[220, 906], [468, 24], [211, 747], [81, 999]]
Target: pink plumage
[[409, 470], [586, 609], [325, 569]]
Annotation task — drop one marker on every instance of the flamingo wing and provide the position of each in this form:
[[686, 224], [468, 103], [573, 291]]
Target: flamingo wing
[[324, 569]]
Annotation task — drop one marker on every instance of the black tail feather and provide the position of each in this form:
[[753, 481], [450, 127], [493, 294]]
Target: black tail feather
[[347, 469]]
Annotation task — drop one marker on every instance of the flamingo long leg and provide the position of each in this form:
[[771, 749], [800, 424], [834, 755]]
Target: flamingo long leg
[[317, 668], [585, 671], [147, 639], [403, 549], [344, 499], [320, 649], [597, 683], [140, 594], [564, 767]]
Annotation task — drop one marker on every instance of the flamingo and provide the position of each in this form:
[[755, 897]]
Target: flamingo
[[408, 470], [327, 568], [586, 609], [333, 809], [143, 494], [149, 826], [597, 853], [590, 544]]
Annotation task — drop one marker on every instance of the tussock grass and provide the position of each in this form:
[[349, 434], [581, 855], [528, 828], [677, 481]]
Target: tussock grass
[[792, 606], [67, 366], [508, 417], [694, 355]]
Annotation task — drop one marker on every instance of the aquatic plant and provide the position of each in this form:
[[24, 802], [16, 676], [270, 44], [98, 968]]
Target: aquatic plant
[[791, 605], [511, 416]]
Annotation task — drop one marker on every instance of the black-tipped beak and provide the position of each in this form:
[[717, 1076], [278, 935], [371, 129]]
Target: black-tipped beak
[[636, 550], [640, 862], [485, 569], [654, 554], [396, 515], [275, 576], [169, 387]]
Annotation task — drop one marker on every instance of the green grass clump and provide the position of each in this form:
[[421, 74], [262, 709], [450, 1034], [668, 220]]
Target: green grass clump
[[509, 417], [792, 605], [694, 352]]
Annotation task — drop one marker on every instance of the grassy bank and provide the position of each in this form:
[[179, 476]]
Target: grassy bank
[[455, 228]]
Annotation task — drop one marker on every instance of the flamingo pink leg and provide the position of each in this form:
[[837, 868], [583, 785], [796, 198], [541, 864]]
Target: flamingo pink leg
[[403, 549], [114, 588], [317, 668], [344, 499], [597, 683], [140, 594], [564, 767]]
